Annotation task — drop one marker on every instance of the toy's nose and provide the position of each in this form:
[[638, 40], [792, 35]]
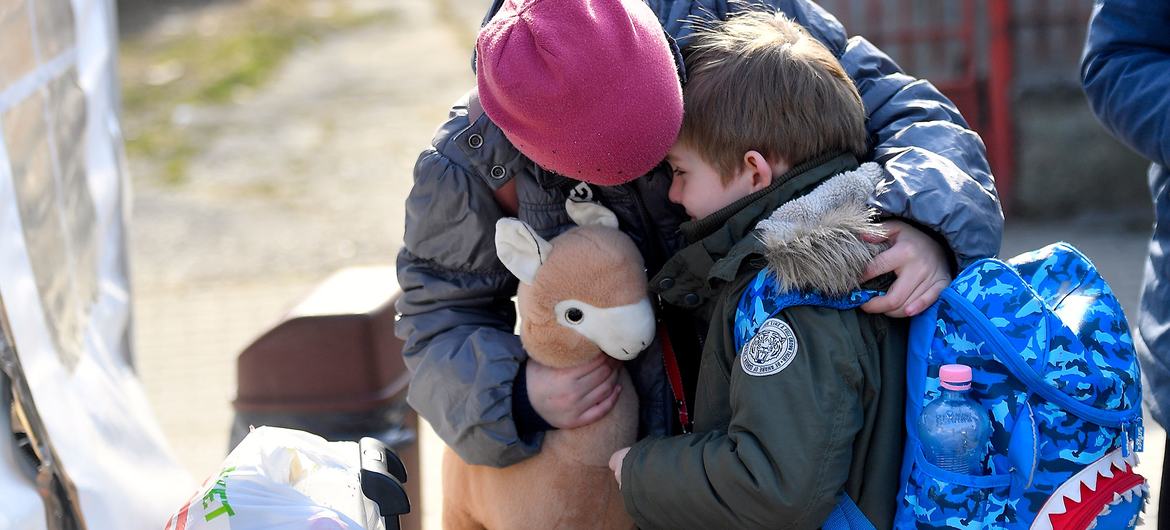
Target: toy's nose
[[631, 333]]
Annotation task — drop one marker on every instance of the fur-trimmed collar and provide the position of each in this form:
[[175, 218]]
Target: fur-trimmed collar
[[815, 242]]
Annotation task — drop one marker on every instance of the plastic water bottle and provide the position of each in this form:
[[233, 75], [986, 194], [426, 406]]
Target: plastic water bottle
[[954, 429]]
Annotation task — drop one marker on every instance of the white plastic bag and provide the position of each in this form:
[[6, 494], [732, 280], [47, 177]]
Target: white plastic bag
[[282, 479]]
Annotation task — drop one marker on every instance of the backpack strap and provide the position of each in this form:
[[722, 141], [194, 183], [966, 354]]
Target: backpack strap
[[763, 299], [847, 516]]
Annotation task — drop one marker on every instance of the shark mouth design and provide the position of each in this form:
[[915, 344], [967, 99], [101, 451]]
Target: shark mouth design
[[1106, 494]]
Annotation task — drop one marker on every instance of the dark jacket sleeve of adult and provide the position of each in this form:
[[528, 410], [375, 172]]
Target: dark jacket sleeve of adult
[[1126, 73], [784, 455], [457, 317], [936, 170]]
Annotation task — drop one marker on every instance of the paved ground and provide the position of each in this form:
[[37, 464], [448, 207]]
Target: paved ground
[[308, 175]]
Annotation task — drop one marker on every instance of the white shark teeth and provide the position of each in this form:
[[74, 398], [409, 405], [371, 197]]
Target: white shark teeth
[[1070, 490], [1091, 481], [1059, 506], [1141, 491]]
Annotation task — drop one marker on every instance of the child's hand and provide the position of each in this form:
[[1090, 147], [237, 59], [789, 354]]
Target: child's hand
[[571, 397], [615, 463], [921, 266]]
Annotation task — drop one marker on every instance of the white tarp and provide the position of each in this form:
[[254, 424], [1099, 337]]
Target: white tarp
[[63, 277], [20, 506]]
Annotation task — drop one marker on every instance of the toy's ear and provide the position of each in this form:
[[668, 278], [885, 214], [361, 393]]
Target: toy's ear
[[521, 250], [590, 214]]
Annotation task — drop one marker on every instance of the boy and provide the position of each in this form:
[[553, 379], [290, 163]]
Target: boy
[[812, 405]]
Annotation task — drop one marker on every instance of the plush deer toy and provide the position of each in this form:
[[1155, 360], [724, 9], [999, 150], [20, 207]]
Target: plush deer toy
[[581, 295]]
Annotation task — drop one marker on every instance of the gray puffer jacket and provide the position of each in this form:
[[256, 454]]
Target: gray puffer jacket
[[456, 314]]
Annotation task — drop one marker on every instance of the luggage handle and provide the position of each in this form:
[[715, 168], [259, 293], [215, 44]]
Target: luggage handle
[[382, 476]]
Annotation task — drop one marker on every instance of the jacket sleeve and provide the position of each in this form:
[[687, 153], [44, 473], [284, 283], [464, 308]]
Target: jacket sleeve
[[1126, 73], [457, 318], [936, 169], [782, 459]]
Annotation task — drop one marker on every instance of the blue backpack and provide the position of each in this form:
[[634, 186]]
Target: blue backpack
[[1054, 365]]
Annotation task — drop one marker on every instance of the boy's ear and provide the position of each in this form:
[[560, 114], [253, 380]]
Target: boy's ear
[[520, 249], [758, 169]]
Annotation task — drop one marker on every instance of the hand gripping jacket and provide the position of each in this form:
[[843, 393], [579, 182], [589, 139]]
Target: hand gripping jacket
[[1054, 365]]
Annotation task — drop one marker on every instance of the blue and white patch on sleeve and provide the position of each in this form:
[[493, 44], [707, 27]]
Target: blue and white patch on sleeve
[[771, 350]]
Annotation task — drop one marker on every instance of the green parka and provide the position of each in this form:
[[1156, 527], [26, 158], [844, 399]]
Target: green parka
[[774, 451]]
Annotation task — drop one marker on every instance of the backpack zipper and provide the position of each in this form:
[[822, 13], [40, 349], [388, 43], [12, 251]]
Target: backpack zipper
[[1004, 353]]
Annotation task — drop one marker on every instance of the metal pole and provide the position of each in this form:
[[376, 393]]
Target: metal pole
[[1001, 136]]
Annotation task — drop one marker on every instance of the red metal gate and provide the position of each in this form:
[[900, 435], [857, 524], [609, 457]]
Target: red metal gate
[[981, 54]]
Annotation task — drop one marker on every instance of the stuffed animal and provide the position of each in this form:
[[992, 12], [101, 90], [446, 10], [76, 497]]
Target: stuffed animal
[[581, 295]]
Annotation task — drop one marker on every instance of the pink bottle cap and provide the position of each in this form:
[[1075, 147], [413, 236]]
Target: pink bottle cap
[[955, 376]]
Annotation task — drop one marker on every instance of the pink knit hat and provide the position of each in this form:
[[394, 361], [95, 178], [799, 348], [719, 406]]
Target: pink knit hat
[[585, 88]]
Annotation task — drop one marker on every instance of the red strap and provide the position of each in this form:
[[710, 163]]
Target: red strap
[[507, 199], [179, 521], [676, 386]]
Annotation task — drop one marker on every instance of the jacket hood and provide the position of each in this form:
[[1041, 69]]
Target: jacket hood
[[815, 242]]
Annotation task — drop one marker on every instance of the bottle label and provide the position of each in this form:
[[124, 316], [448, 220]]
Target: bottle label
[[957, 417]]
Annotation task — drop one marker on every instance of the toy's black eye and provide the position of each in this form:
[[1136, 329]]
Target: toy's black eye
[[574, 315]]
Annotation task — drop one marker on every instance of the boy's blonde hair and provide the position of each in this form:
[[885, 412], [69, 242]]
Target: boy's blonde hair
[[759, 81]]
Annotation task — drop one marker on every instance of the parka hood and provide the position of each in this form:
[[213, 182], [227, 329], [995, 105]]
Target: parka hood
[[816, 242]]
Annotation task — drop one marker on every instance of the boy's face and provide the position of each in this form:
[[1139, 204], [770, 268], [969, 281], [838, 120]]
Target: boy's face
[[697, 185]]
